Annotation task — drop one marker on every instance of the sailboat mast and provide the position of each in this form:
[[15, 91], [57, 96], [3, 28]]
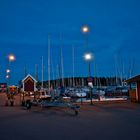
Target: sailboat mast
[[62, 65], [73, 65], [36, 72], [131, 67], [25, 71], [53, 77], [42, 74], [49, 64], [58, 75], [116, 71]]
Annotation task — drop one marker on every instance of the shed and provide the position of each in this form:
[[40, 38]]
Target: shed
[[29, 84], [134, 91]]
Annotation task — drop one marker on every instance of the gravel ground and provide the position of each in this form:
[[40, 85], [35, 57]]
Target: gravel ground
[[117, 121]]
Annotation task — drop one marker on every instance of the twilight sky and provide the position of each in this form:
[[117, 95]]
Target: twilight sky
[[114, 37]]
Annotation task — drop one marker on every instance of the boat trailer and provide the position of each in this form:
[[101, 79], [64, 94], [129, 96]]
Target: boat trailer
[[63, 102]]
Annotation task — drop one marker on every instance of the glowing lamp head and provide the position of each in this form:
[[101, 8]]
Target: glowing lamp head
[[8, 70], [7, 76], [11, 57], [88, 56], [85, 29]]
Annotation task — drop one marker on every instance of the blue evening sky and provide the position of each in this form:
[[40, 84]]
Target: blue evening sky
[[114, 37]]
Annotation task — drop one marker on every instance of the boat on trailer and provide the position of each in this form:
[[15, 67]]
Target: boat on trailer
[[54, 102]]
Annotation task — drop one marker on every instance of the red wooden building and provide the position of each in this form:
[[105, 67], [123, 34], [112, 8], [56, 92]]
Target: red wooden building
[[29, 84], [134, 91]]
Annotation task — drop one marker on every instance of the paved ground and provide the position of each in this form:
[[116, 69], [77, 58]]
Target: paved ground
[[111, 121]]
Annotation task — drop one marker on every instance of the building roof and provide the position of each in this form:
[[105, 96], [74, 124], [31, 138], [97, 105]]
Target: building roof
[[30, 77], [133, 79]]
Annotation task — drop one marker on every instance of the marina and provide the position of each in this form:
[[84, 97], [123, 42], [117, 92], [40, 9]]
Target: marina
[[69, 70]]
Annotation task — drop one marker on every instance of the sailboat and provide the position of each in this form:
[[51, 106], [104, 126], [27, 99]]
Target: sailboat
[[43, 91]]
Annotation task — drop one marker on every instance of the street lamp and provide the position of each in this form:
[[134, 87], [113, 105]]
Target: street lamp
[[8, 71], [7, 76], [11, 57], [85, 29], [88, 57]]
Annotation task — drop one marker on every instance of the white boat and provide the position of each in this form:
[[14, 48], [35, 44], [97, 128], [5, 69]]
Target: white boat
[[45, 96], [79, 93], [85, 89], [98, 91]]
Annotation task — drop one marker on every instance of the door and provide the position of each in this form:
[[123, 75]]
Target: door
[[138, 90], [29, 85]]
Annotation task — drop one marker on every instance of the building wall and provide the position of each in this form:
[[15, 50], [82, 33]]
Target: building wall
[[132, 94], [29, 85], [138, 91]]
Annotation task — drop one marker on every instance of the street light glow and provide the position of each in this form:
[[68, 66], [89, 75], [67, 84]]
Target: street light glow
[[7, 76], [85, 29], [11, 57], [8, 70], [88, 56]]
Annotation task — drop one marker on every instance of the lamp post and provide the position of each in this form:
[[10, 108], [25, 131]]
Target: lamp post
[[88, 57], [85, 30], [11, 58], [7, 75]]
